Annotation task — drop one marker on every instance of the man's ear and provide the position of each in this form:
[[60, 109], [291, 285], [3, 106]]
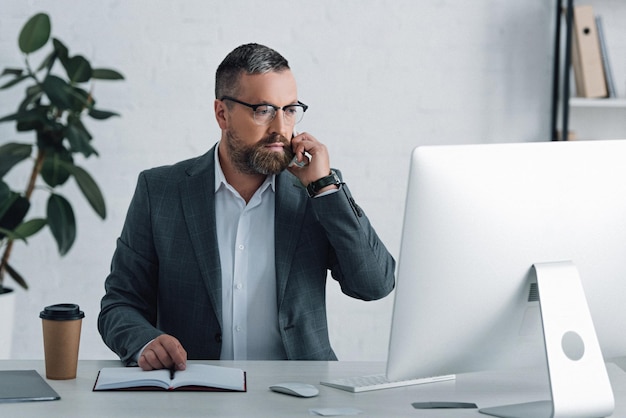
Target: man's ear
[[220, 113]]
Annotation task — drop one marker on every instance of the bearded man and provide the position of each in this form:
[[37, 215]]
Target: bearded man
[[225, 256]]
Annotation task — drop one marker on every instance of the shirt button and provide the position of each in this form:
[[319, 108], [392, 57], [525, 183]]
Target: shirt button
[[238, 328], [239, 286], [241, 246]]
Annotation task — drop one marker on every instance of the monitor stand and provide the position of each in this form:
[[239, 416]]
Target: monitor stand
[[579, 382]]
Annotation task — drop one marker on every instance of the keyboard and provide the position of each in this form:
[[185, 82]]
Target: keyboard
[[379, 381]]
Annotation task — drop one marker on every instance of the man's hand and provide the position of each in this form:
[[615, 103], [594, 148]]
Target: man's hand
[[317, 166], [164, 352]]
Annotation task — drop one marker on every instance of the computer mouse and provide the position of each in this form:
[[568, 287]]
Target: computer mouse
[[303, 390]]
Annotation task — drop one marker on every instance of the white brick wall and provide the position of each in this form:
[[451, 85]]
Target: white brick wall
[[381, 77]]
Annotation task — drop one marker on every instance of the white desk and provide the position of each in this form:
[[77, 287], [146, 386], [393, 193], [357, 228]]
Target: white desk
[[484, 389]]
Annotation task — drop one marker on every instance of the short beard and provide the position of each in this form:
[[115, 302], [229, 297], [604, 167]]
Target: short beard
[[256, 159]]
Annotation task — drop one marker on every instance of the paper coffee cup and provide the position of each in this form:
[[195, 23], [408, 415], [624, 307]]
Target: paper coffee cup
[[61, 338]]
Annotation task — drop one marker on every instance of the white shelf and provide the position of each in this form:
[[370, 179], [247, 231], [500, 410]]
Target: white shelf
[[606, 103]]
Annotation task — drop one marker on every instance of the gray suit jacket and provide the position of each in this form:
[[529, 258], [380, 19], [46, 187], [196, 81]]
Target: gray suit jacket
[[166, 275]]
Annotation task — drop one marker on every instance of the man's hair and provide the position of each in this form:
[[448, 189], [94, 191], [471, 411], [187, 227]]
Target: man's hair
[[246, 59]]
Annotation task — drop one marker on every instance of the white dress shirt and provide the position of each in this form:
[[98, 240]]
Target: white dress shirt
[[245, 235]]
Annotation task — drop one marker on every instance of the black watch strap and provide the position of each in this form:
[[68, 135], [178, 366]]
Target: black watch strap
[[314, 187]]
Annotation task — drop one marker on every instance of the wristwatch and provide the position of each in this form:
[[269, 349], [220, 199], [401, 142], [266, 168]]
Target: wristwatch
[[314, 187]]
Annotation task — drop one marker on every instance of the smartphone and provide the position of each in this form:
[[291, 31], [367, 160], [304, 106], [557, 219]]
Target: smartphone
[[294, 160]]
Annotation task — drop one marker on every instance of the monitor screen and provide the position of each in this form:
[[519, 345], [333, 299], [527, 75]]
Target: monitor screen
[[477, 219]]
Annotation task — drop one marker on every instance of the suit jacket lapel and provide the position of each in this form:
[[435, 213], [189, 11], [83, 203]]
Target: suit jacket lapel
[[289, 215], [197, 199]]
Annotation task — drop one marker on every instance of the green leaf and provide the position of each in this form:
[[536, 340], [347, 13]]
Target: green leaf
[[5, 194], [11, 117], [16, 276], [24, 230], [15, 213], [8, 118], [33, 119], [61, 222], [33, 94], [12, 71], [7, 198], [53, 170], [13, 82], [31, 115], [61, 50], [35, 33], [11, 154], [89, 188], [9, 234], [27, 120], [50, 139], [78, 69], [79, 139], [48, 62], [101, 114], [58, 91], [80, 99], [75, 120], [106, 74], [29, 228]]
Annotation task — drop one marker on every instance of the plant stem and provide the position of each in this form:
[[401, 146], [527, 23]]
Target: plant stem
[[41, 155], [29, 191]]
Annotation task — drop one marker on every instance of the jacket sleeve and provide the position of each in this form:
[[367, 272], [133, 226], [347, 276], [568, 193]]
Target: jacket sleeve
[[128, 309], [360, 261]]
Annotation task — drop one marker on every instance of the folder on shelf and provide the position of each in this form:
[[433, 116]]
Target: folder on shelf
[[606, 62], [586, 56]]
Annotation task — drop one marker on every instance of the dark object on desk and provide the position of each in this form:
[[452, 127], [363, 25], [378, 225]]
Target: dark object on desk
[[443, 405], [303, 390], [24, 386]]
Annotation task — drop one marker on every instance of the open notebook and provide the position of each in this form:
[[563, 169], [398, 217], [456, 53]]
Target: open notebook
[[196, 377]]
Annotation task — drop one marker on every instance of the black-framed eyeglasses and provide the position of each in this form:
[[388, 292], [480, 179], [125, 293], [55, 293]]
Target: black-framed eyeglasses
[[264, 113]]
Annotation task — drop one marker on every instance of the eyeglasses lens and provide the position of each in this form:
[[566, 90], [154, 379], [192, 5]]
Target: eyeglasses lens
[[266, 114]]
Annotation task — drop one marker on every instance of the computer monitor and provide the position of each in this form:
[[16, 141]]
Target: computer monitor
[[481, 222]]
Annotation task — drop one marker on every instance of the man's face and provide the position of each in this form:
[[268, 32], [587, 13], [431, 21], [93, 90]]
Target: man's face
[[260, 149]]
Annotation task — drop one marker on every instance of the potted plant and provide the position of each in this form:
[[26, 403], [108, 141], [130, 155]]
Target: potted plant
[[52, 109]]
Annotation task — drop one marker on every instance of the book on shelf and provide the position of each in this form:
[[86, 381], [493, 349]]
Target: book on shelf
[[586, 56], [196, 377], [606, 63]]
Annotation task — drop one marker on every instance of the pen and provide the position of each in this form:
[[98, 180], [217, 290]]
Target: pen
[[172, 371]]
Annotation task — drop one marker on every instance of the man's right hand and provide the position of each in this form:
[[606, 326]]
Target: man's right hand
[[164, 352]]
